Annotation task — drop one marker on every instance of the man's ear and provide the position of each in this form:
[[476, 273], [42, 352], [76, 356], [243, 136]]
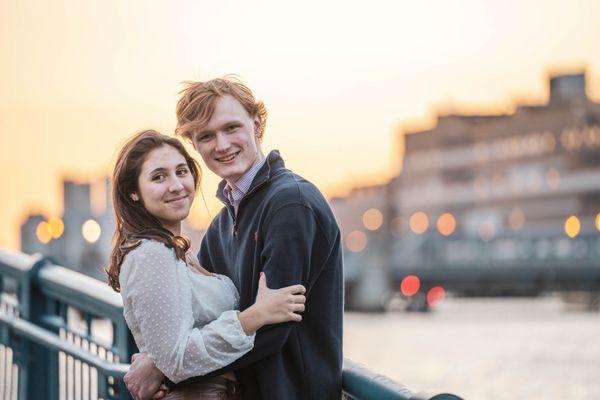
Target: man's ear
[[135, 197], [258, 128]]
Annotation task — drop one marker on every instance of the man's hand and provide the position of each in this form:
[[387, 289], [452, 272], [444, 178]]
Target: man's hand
[[144, 380]]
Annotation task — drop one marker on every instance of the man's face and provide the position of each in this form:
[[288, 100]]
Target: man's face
[[227, 142]]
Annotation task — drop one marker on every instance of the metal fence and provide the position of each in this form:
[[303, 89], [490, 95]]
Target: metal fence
[[63, 336]]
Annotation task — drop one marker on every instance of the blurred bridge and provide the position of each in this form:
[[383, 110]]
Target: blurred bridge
[[521, 265]]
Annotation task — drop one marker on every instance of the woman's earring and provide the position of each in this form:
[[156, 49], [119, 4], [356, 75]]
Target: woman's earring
[[135, 197]]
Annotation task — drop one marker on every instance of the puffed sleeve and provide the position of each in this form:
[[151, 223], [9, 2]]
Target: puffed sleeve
[[160, 297]]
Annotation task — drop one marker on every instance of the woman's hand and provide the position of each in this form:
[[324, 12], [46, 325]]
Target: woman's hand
[[273, 306]]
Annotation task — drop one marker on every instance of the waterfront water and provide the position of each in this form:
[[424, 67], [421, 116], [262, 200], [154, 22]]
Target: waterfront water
[[484, 348]]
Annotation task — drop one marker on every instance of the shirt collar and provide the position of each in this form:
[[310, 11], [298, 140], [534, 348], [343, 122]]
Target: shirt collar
[[272, 165], [235, 192]]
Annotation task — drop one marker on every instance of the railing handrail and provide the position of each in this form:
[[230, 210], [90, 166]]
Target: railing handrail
[[16, 264], [92, 295], [360, 382], [16, 259], [50, 340]]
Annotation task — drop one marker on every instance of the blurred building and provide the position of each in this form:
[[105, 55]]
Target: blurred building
[[528, 170], [79, 239], [29, 241], [487, 191]]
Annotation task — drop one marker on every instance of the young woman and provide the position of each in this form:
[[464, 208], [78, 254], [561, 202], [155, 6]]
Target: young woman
[[183, 317]]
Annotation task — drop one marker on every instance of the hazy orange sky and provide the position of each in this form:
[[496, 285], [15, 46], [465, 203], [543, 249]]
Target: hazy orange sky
[[340, 78]]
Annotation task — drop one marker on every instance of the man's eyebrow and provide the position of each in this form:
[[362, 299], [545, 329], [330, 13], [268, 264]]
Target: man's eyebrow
[[223, 125], [202, 132]]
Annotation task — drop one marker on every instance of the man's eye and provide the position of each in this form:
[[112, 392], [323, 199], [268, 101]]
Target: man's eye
[[203, 138]]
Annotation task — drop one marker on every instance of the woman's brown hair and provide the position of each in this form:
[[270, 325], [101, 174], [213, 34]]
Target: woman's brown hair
[[133, 221]]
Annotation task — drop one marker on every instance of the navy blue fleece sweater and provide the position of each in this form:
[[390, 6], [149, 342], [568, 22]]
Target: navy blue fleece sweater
[[285, 228]]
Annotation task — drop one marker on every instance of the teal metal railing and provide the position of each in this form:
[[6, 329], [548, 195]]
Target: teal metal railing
[[63, 336]]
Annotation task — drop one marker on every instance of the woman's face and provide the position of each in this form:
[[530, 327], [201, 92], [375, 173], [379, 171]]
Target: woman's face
[[166, 187]]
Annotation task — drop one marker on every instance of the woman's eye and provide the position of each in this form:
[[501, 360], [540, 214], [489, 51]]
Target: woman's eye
[[182, 171], [231, 128], [158, 177]]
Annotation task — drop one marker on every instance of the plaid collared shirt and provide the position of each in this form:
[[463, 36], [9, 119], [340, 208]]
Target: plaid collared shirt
[[237, 191]]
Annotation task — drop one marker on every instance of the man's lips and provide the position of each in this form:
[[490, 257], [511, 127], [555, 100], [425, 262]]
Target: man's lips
[[227, 158]]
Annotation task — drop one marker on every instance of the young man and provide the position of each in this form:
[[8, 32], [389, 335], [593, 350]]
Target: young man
[[275, 222]]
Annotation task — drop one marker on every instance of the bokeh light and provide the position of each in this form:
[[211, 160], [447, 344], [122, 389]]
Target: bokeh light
[[548, 142], [91, 231], [356, 241], [446, 224], [487, 231], [435, 295], [598, 221], [516, 218], [419, 222], [43, 232], [372, 219], [572, 226], [410, 285], [57, 227]]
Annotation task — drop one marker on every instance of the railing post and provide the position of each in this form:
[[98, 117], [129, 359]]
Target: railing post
[[42, 380]]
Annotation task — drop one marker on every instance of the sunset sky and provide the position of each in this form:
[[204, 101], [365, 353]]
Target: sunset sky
[[341, 79]]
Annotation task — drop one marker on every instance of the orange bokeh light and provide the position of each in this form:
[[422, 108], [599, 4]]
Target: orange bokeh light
[[410, 285], [516, 218], [43, 232], [572, 226], [57, 227], [446, 224], [419, 222], [356, 241], [435, 295], [372, 219], [598, 221]]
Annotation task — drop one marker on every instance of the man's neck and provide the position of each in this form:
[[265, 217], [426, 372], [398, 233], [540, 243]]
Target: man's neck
[[259, 158]]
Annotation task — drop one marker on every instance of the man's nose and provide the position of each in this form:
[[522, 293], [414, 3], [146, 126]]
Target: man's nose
[[222, 142]]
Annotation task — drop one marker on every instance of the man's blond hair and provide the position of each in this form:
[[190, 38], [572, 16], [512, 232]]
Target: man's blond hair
[[197, 104]]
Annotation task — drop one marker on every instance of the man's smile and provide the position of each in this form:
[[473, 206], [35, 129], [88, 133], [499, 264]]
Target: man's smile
[[228, 158]]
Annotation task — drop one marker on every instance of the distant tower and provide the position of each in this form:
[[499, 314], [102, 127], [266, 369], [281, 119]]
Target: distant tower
[[107, 224], [567, 88], [29, 241], [77, 208]]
